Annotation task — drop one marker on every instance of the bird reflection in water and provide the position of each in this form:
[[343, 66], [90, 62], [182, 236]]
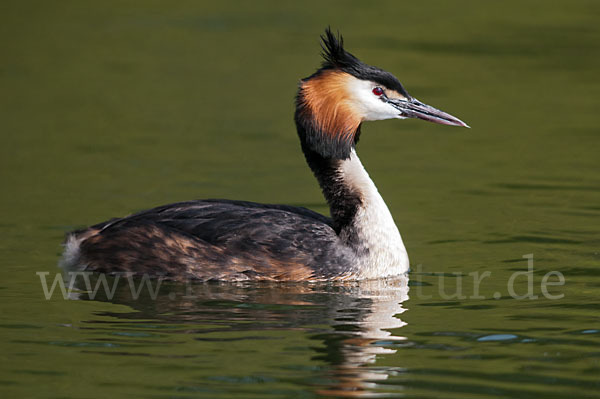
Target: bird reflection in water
[[354, 323], [360, 332]]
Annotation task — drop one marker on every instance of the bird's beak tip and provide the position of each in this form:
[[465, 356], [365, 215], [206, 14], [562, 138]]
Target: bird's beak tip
[[462, 124]]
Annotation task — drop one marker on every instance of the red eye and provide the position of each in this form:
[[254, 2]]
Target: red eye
[[378, 91]]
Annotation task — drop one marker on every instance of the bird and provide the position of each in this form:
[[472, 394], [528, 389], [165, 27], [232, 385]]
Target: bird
[[232, 240]]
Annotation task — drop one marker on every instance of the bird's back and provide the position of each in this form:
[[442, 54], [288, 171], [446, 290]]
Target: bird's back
[[214, 240]]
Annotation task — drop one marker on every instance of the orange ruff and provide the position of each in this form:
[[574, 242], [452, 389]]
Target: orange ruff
[[327, 98]]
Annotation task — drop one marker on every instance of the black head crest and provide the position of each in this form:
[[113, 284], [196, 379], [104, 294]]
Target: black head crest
[[335, 57], [334, 54]]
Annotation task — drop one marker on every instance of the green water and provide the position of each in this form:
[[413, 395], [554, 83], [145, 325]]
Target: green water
[[108, 107]]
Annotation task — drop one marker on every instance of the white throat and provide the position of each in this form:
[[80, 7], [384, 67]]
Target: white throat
[[385, 253]]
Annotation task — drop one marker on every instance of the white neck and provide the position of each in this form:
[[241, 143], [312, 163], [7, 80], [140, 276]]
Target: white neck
[[384, 253]]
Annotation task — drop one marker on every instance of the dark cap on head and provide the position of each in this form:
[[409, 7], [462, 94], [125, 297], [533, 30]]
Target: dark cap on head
[[335, 57]]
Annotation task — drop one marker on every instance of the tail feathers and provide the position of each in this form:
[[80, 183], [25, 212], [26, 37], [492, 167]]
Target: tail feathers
[[71, 256], [71, 259]]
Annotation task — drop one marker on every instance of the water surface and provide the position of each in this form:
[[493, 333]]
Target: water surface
[[111, 107]]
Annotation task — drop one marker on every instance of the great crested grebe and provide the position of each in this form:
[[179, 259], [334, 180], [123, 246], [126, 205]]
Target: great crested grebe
[[237, 240]]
